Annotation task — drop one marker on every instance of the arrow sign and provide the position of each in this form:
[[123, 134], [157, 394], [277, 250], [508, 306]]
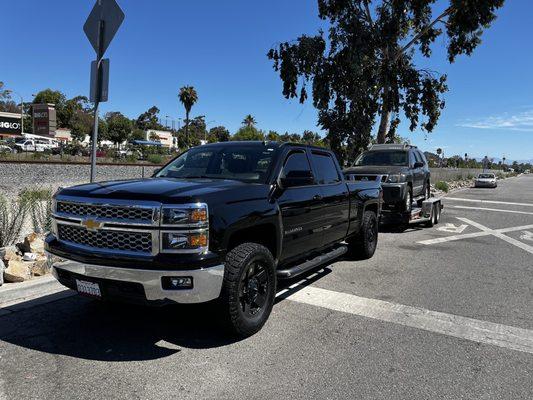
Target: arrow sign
[[451, 228], [526, 235], [102, 24]]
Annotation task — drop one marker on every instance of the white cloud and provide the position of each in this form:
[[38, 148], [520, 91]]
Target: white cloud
[[522, 122]]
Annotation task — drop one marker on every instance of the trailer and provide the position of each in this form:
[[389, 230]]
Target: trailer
[[428, 214]]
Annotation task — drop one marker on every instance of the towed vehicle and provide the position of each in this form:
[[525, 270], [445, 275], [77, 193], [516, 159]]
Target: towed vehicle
[[220, 222]]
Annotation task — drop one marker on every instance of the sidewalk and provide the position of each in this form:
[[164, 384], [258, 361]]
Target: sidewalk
[[19, 296]]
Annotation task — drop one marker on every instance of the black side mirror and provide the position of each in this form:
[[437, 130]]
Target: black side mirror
[[296, 178], [418, 164]]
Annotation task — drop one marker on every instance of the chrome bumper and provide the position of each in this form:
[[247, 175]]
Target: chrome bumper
[[207, 282]]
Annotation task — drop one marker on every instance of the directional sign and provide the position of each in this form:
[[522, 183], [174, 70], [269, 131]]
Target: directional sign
[[102, 24], [526, 235], [451, 228], [99, 86]]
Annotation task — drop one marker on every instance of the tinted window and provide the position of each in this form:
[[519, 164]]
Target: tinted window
[[245, 163], [385, 157], [296, 166], [325, 168]]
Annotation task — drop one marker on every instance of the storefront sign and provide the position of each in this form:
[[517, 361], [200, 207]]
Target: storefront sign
[[10, 125]]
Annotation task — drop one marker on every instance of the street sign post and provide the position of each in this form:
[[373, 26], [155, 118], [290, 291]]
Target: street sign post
[[101, 26]]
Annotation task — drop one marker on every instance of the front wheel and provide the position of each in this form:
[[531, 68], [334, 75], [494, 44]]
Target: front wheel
[[363, 246], [249, 288]]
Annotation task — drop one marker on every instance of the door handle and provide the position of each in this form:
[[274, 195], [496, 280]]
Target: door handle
[[317, 197]]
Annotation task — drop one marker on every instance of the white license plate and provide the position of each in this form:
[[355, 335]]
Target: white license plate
[[88, 288]]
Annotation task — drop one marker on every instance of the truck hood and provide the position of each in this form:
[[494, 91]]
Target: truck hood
[[378, 170], [164, 190]]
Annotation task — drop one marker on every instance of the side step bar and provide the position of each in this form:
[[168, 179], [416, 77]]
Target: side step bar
[[310, 264]]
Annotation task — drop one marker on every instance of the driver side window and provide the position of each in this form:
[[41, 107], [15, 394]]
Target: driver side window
[[296, 166]]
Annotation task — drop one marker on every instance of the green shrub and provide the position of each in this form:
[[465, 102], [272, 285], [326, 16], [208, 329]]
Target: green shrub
[[441, 185], [39, 203], [12, 216], [155, 159]]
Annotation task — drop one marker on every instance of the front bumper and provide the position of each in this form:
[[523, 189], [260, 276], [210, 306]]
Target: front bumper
[[141, 285], [485, 184]]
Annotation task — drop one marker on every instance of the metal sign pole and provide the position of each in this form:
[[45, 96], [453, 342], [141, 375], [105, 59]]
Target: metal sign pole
[[97, 100]]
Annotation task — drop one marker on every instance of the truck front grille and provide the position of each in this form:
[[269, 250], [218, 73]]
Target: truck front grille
[[136, 242], [108, 212]]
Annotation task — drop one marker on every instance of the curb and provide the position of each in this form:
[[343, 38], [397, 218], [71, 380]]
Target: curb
[[13, 297]]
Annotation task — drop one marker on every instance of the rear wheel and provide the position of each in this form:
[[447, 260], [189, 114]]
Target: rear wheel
[[249, 288], [363, 246]]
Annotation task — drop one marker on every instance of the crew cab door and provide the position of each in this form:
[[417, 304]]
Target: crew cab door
[[335, 196], [301, 206]]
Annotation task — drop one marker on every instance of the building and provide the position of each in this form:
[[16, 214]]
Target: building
[[165, 137], [10, 125], [63, 135]]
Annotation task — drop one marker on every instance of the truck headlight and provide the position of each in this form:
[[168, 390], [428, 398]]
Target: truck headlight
[[185, 242], [185, 215], [395, 178]]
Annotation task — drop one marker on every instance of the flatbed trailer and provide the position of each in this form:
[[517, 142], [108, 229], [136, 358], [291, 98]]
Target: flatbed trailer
[[428, 213]]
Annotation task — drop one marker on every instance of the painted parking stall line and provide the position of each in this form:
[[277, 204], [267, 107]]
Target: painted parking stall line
[[489, 201], [493, 209], [485, 332]]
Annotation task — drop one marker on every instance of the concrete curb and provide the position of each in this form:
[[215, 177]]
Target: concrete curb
[[13, 296]]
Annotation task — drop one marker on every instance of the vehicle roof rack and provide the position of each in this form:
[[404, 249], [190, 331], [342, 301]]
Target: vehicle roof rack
[[392, 146]]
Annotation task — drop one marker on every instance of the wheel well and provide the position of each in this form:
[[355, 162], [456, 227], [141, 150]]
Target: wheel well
[[262, 234], [372, 207]]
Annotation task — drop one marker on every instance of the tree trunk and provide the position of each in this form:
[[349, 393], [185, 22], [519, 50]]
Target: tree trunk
[[384, 125], [187, 144]]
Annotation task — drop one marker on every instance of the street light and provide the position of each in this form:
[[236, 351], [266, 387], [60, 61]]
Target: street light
[[9, 91]]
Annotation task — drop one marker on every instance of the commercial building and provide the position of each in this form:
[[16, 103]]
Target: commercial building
[[164, 137], [10, 125]]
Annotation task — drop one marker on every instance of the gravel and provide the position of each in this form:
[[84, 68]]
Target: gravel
[[16, 176]]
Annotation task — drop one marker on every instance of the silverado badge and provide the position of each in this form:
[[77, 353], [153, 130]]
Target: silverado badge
[[91, 224]]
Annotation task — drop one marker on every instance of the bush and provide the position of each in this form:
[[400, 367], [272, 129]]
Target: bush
[[155, 159], [12, 216], [441, 185], [39, 203]]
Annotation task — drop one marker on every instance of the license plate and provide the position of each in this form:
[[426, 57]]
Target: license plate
[[88, 288]]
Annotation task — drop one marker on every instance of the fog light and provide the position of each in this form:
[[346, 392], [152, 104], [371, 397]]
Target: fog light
[[176, 282]]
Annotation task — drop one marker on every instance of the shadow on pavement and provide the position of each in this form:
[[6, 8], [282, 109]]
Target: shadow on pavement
[[88, 329]]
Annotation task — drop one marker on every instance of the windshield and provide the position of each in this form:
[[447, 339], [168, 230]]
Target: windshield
[[389, 157], [249, 163], [486, 176]]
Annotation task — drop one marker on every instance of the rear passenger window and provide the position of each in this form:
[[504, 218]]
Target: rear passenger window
[[325, 168]]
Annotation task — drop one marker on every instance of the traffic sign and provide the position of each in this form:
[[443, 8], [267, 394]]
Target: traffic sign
[[99, 85], [102, 24]]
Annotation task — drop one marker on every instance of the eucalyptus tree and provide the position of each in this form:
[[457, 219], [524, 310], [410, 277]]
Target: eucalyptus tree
[[363, 69]]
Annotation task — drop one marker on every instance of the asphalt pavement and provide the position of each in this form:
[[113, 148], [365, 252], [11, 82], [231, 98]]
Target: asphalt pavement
[[438, 313]]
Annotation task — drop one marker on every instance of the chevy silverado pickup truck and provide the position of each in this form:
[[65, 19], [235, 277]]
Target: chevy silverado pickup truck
[[221, 221]]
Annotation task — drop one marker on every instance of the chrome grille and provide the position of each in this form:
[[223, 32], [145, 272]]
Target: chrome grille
[[115, 213], [137, 242]]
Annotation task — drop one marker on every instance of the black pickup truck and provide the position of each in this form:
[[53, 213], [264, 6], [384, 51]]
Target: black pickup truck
[[221, 221]]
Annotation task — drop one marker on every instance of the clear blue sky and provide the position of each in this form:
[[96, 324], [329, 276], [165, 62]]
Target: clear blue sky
[[219, 47]]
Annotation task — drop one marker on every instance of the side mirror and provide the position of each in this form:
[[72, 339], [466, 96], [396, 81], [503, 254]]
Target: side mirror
[[418, 164], [295, 179]]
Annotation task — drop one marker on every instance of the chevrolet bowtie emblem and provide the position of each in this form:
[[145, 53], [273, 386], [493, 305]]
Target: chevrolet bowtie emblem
[[91, 224]]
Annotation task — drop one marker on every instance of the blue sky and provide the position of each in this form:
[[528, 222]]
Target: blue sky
[[219, 47]]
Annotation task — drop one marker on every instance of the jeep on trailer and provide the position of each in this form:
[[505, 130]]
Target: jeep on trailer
[[403, 170], [221, 221]]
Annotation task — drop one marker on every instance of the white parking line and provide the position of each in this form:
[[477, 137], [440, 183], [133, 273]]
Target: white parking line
[[433, 321], [494, 209], [484, 232], [488, 201]]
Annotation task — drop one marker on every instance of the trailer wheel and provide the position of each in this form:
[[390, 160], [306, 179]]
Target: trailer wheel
[[363, 245]]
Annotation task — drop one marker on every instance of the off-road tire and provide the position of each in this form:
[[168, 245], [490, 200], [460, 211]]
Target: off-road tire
[[238, 261], [408, 197], [427, 194], [363, 245]]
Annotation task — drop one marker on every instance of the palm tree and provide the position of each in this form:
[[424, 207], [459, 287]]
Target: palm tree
[[249, 121], [188, 97]]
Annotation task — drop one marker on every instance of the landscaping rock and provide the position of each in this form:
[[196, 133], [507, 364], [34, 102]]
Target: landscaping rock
[[12, 254], [2, 268], [40, 268], [17, 271], [33, 243]]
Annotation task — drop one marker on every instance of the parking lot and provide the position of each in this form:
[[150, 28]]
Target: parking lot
[[442, 312]]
